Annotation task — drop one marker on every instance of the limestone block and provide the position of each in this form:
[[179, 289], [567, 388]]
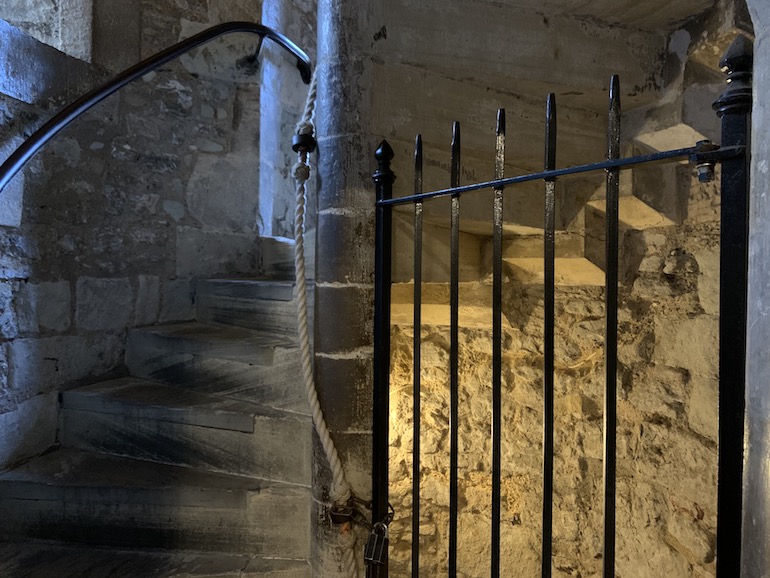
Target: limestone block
[[8, 323], [44, 306], [222, 192], [42, 365], [688, 538], [29, 429], [691, 344], [202, 253], [174, 209], [104, 304], [12, 197], [177, 301], [708, 280], [147, 300], [703, 407]]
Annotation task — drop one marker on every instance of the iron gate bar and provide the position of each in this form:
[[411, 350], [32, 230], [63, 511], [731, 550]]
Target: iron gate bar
[[549, 300], [734, 107], [695, 154], [383, 179], [497, 338], [416, 409], [611, 330], [454, 306]]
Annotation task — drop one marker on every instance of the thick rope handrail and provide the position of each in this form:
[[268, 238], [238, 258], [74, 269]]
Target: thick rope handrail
[[22, 155], [340, 492]]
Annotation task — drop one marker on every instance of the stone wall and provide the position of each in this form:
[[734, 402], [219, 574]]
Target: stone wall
[[152, 188], [667, 421]]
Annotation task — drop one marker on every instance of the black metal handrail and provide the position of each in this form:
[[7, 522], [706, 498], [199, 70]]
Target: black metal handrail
[[14, 163], [703, 152]]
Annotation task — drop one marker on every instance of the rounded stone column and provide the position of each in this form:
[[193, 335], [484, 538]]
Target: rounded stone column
[[344, 255]]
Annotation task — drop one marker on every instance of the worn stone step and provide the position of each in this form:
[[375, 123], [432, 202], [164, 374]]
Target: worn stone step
[[575, 271], [633, 213], [152, 421], [46, 560], [277, 261], [230, 361], [470, 292], [253, 303], [91, 498], [435, 314], [222, 341]]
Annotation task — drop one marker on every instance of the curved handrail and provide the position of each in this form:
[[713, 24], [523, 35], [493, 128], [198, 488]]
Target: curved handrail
[[14, 163]]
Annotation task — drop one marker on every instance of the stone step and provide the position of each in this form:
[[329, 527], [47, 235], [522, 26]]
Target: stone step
[[475, 299], [89, 498], [570, 271], [230, 361], [633, 213], [161, 423], [434, 314], [45, 560], [222, 341], [476, 292], [277, 260], [253, 303]]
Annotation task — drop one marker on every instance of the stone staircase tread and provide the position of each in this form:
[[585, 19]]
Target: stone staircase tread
[[50, 560], [484, 228], [249, 287], [222, 341], [67, 467], [436, 314], [153, 400], [635, 213], [569, 271], [436, 292]]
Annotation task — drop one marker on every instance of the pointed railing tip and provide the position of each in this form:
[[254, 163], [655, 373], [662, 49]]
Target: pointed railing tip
[[455, 133], [500, 121], [418, 149], [384, 152], [615, 88], [739, 56]]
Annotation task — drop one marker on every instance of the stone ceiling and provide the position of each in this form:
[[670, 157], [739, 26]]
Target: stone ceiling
[[650, 15]]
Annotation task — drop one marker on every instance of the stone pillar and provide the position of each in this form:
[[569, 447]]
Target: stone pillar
[[756, 510], [282, 98], [345, 254]]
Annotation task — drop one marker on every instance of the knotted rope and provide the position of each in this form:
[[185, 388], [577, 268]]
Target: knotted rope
[[340, 492]]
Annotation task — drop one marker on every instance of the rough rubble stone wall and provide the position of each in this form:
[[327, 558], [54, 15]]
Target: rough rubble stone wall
[[153, 187], [667, 422]]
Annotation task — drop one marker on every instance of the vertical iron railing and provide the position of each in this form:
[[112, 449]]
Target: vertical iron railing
[[383, 179], [734, 107], [549, 304], [611, 329], [497, 339], [416, 411], [454, 350]]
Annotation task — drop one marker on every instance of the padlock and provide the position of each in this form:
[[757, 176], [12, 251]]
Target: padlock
[[377, 545]]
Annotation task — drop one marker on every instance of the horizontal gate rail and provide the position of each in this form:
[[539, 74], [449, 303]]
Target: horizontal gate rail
[[700, 153], [734, 108]]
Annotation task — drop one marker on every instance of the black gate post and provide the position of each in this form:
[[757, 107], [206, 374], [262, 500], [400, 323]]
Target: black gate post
[[383, 180], [734, 108]]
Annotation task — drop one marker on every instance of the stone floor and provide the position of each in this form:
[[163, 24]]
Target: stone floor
[[58, 561]]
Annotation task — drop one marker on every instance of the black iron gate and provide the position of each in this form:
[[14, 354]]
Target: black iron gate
[[734, 108]]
